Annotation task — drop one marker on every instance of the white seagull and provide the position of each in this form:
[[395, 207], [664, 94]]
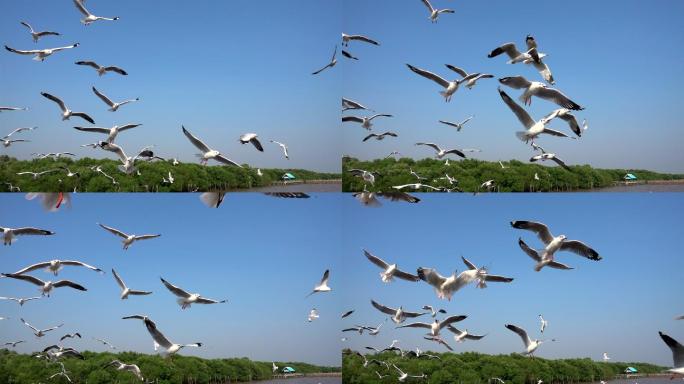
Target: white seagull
[[473, 78], [460, 336], [434, 13], [450, 87], [530, 345], [351, 104], [113, 107], [322, 286], [37, 35], [347, 38], [14, 343], [20, 301], [544, 323], [677, 354], [251, 138], [208, 153], [39, 332], [63, 373], [186, 299], [313, 315], [110, 132], [365, 121], [283, 147], [433, 313], [54, 266], [541, 90], [367, 176], [132, 368], [443, 152], [567, 116], [127, 239], [458, 126], [534, 128], [436, 325], [161, 341], [89, 17], [13, 109], [105, 342], [605, 356], [40, 54], [550, 156], [10, 233], [66, 112], [531, 56], [101, 70], [398, 314], [45, 286], [379, 136], [125, 291], [127, 163], [333, 61], [389, 271]]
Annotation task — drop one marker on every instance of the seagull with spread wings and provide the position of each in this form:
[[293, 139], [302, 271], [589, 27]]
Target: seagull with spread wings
[[37, 35], [40, 54], [434, 12], [127, 239], [89, 17], [333, 61], [39, 332], [66, 112], [113, 106], [540, 90], [54, 266], [450, 87], [101, 70], [322, 286], [186, 299], [389, 271], [125, 291], [533, 128], [45, 286], [10, 233], [208, 153], [398, 315], [531, 345]]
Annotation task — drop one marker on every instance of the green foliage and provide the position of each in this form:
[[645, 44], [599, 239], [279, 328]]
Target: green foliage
[[188, 177], [176, 369], [517, 177], [471, 367]]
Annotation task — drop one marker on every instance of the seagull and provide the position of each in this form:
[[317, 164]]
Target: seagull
[[185, 299], [677, 354], [146, 154], [10, 233], [251, 138], [274, 367], [436, 325], [132, 368], [128, 239], [323, 285], [445, 287], [20, 301], [442, 152], [398, 314], [552, 244], [113, 107], [105, 342], [416, 175], [55, 155], [208, 153], [283, 147], [450, 87], [392, 347], [98, 169], [534, 129], [13, 109], [373, 331], [347, 38], [605, 356], [12, 188], [380, 136], [63, 373], [541, 90], [393, 153], [536, 176], [389, 271], [37, 35], [101, 70], [66, 112], [6, 142], [539, 64], [473, 79], [433, 313], [351, 104], [127, 163], [365, 121], [459, 335], [40, 54], [679, 317], [550, 156], [61, 352], [89, 17], [331, 64], [458, 126], [536, 147], [70, 336], [39, 332], [313, 315], [544, 323], [14, 343], [489, 185], [212, 199], [45, 286], [416, 186], [348, 55], [531, 56], [567, 116], [530, 345], [125, 291], [161, 341], [434, 13], [367, 176], [55, 266]]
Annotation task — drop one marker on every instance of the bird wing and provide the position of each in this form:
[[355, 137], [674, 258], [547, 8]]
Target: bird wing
[[529, 251], [456, 152], [145, 237], [557, 265], [88, 63], [468, 263], [134, 292], [416, 325], [31, 230], [93, 129], [676, 348], [540, 229], [257, 144], [369, 136], [543, 69], [561, 163], [521, 332], [363, 38], [175, 290], [22, 52], [429, 75], [27, 25], [33, 267], [326, 276], [116, 69], [56, 100], [227, 161], [519, 111], [579, 248], [80, 264], [29, 325], [431, 145], [516, 82], [405, 275], [383, 309], [508, 48], [553, 132], [451, 319], [557, 97], [497, 278], [28, 278], [431, 277], [118, 279], [113, 230], [353, 119], [79, 5], [195, 141], [449, 123], [157, 336], [128, 126], [70, 284], [457, 70], [376, 260], [204, 300], [84, 116], [102, 97], [572, 122]]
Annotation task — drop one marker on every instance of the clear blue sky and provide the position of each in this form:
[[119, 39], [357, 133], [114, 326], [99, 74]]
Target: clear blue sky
[[261, 253], [619, 59], [220, 68], [616, 305]]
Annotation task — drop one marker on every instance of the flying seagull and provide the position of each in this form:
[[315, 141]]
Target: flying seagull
[[125, 291], [37, 35], [89, 17], [322, 286], [552, 244], [313, 315], [433, 313], [460, 336], [434, 13], [113, 107], [283, 147], [185, 299], [40, 54], [45, 286], [541, 90], [6, 142], [550, 156], [54, 266], [39, 332], [443, 152], [530, 345], [605, 356], [132, 368], [10, 233], [70, 336], [472, 79], [331, 64], [534, 128], [128, 239], [20, 301], [351, 104], [212, 199], [14, 343], [161, 341], [450, 87], [379, 136], [458, 126], [347, 38], [348, 55], [365, 121], [13, 109], [101, 70], [251, 138], [531, 56], [567, 116], [208, 153], [445, 287], [398, 314], [367, 176], [677, 354], [66, 112], [436, 325], [389, 271]]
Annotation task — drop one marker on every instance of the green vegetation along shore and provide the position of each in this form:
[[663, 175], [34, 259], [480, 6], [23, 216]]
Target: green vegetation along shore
[[187, 176], [470, 367], [177, 369], [515, 177]]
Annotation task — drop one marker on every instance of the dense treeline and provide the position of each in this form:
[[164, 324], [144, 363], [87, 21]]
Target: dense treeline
[[187, 176], [177, 369], [470, 367], [470, 173]]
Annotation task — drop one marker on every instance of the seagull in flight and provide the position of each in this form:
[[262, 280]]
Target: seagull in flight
[[331, 64], [436, 325], [161, 341], [677, 354], [460, 336], [434, 313], [389, 271], [605, 356], [39, 332], [89, 17], [398, 315], [101, 70], [473, 78], [186, 299], [132, 368], [544, 323], [113, 107], [40, 54], [379, 136], [567, 116], [348, 104], [531, 56], [20, 301], [283, 147], [434, 13], [37, 35], [530, 345], [322, 286], [251, 138], [445, 287], [127, 239], [540, 90], [450, 87], [14, 343], [10, 233], [458, 126], [533, 128], [54, 266], [70, 336], [443, 152], [66, 112], [105, 342], [125, 291], [208, 153], [45, 286], [367, 176], [348, 38], [550, 156], [365, 121]]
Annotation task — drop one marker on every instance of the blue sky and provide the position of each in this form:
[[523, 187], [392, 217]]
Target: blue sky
[[619, 59], [616, 305], [220, 68], [261, 253]]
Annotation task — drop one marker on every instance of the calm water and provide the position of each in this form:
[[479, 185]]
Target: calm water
[[337, 187], [303, 380], [644, 188]]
